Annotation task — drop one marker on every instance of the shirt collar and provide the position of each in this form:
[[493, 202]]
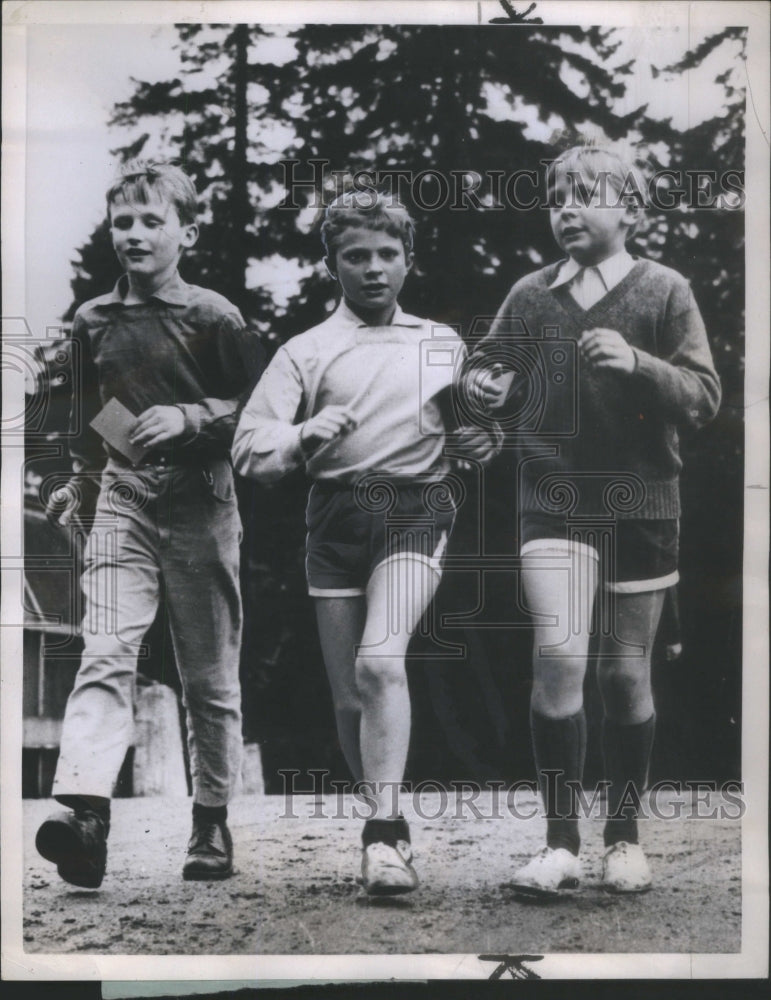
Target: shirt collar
[[347, 316], [174, 292], [611, 270]]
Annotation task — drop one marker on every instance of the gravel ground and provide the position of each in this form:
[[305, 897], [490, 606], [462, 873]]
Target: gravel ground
[[294, 891]]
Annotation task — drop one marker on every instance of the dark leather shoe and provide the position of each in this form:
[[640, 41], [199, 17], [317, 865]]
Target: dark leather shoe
[[210, 852], [77, 845]]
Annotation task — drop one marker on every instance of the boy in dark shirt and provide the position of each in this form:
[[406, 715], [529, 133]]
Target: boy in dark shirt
[[178, 358]]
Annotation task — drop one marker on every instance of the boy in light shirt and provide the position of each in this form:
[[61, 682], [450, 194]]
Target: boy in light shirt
[[357, 402]]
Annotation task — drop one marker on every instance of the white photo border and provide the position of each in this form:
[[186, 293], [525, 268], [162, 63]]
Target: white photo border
[[752, 961]]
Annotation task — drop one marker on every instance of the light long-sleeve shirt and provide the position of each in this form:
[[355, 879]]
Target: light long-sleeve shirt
[[391, 377]]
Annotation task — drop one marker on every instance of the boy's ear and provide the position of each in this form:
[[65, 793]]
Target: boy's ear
[[329, 264], [409, 259], [190, 235], [633, 213]]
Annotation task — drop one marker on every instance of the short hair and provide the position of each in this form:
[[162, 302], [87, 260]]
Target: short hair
[[366, 209], [597, 162], [144, 180]]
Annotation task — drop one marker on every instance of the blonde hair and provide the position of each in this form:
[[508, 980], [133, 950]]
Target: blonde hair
[[143, 181], [602, 164], [366, 209]]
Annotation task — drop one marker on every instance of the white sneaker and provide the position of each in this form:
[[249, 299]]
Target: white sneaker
[[625, 869], [386, 870], [551, 871]]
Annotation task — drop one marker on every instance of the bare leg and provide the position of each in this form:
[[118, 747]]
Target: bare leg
[[559, 590], [629, 725], [625, 681], [398, 593], [341, 625]]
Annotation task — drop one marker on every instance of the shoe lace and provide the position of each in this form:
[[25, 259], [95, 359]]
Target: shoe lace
[[92, 823], [204, 837]]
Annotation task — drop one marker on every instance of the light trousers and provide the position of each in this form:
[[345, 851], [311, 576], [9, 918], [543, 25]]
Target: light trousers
[[159, 531]]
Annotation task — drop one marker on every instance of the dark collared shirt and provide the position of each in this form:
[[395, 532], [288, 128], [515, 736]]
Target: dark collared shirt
[[186, 346]]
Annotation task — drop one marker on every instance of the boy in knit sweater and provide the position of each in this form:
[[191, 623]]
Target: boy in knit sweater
[[594, 364]]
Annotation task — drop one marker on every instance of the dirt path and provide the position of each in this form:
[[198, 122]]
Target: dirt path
[[295, 892]]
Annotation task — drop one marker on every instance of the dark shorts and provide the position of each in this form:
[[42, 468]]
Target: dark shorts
[[640, 555], [352, 530]]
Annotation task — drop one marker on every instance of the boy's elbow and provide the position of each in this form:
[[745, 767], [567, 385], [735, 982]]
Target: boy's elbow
[[245, 461], [255, 468], [259, 466]]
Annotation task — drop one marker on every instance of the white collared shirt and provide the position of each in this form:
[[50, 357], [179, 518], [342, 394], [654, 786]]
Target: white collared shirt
[[588, 285], [345, 317]]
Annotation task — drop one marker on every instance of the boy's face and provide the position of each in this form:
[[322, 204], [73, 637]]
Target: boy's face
[[371, 267], [149, 238], [587, 219]]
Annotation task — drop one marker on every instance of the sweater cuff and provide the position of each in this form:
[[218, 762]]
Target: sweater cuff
[[192, 414], [645, 364]]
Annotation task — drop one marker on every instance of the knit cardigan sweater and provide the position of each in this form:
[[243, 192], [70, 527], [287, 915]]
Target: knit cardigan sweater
[[597, 441]]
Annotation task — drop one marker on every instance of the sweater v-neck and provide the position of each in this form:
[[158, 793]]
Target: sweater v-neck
[[569, 304]]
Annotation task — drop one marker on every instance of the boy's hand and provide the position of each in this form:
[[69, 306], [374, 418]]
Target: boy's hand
[[327, 425], [158, 424], [476, 445], [603, 348], [487, 387], [63, 504]]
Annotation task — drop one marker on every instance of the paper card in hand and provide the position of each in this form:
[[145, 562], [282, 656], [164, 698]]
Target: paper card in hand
[[114, 423]]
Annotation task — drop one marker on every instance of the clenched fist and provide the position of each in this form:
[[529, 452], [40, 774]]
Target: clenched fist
[[327, 425], [603, 348]]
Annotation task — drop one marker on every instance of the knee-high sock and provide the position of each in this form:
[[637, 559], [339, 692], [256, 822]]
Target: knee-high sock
[[559, 746], [626, 751]]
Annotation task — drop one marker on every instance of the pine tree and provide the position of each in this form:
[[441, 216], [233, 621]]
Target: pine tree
[[431, 99], [422, 100]]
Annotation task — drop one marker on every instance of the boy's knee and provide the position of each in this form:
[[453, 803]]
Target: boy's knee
[[375, 672], [105, 659], [558, 685], [561, 669], [626, 692], [622, 677], [208, 694]]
